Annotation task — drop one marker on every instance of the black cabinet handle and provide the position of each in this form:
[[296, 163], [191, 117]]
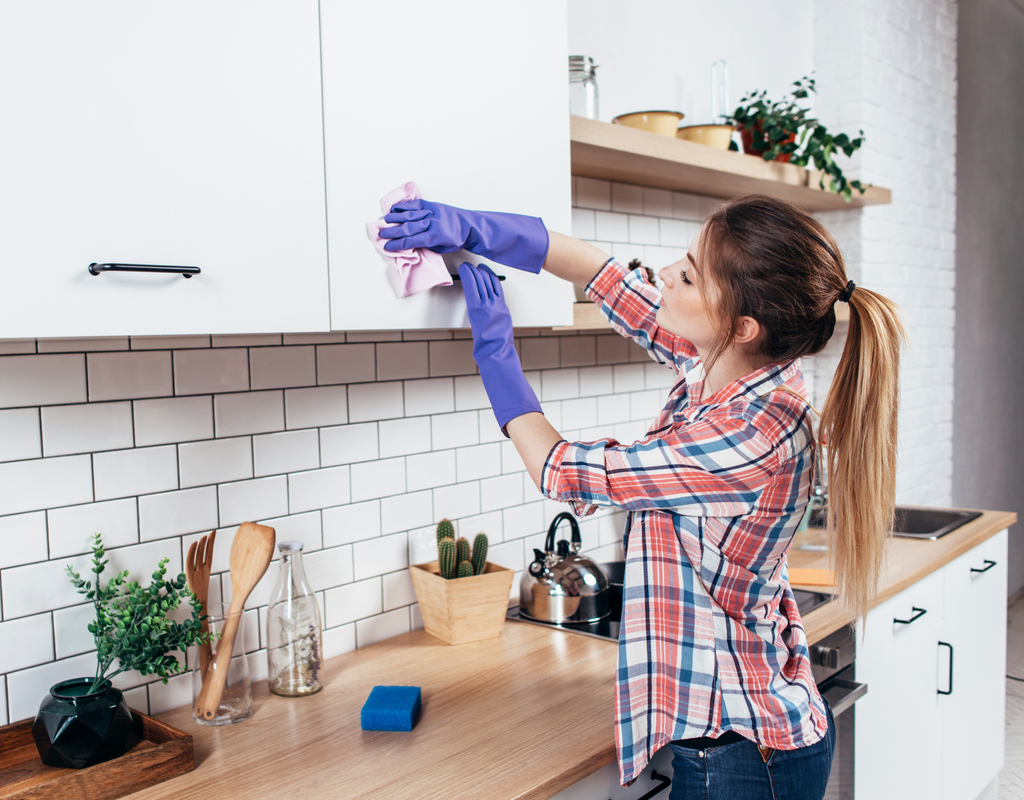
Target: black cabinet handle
[[988, 565], [665, 783], [185, 272], [918, 613], [950, 691]]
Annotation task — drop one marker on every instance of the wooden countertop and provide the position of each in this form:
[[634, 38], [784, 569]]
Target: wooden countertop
[[520, 717]]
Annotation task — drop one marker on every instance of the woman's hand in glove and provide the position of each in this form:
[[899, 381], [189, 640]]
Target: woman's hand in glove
[[510, 239], [493, 346]]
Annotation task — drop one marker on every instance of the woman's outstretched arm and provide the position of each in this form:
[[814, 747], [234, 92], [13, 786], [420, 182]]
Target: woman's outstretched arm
[[572, 260]]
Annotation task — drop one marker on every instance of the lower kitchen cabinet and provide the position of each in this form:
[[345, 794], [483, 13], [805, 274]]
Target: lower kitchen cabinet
[[923, 729]]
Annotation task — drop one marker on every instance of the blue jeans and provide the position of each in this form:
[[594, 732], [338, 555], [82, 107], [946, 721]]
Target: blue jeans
[[737, 771]]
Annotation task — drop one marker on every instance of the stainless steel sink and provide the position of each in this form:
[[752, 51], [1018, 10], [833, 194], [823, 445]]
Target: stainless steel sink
[[917, 522], [913, 522]]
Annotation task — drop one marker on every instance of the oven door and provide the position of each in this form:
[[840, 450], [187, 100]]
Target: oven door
[[842, 692]]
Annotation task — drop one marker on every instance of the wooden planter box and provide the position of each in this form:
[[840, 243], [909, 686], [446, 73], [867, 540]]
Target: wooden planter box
[[462, 609]]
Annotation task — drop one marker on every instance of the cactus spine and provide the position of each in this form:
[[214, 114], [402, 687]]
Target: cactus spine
[[446, 558], [462, 550], [479, 553], [465, 569]]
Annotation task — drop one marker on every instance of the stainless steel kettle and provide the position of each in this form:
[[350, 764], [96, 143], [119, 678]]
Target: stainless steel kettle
[[561, 585]]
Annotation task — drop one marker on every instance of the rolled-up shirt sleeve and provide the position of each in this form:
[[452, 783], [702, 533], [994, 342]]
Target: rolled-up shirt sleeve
[[708, 468], [631, 305]]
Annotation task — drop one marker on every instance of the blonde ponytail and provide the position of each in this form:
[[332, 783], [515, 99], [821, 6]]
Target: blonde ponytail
[[858, 429]]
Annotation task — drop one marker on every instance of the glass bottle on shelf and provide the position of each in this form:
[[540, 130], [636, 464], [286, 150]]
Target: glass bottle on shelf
[[294, 645], [582, 87]]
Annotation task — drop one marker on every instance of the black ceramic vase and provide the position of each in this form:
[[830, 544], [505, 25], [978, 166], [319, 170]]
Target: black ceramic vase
[[75, 729]]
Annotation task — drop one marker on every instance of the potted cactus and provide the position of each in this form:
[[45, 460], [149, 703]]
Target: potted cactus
[[463, 596]]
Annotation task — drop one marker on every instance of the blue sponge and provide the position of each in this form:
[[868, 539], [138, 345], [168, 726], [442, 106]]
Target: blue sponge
[[391, 708]]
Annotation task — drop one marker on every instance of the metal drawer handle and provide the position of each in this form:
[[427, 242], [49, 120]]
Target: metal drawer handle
[[918, 613], [950, 691], [988, 565], [665, 783], [185, 272]]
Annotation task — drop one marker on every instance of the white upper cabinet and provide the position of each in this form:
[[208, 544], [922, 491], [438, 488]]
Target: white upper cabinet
[[166, 132], [470, 101]]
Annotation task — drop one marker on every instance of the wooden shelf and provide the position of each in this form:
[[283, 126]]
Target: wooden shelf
[[628, 155]]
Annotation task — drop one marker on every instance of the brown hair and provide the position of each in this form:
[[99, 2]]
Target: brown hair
[[779, 265]]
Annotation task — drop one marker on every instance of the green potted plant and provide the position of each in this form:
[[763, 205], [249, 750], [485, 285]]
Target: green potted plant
[[85, 721], [782, 130]]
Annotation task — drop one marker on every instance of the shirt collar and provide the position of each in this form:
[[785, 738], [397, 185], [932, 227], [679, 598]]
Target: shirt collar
[[756, 384]]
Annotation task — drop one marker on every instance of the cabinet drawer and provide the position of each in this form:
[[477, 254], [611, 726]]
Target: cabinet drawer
[[975, 571], [883, 633]]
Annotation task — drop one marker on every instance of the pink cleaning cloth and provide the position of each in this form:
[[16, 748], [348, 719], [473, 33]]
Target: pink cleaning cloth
[[416, 269]]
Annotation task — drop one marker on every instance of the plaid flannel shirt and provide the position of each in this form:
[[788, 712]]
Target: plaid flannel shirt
[[710, 639]]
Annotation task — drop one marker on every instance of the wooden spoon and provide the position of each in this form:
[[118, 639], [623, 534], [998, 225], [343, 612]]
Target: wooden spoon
[[251, 553], [197, 573]]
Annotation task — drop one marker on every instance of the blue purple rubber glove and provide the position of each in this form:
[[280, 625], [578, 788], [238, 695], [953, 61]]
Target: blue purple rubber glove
[[510, 239], [493, 346]]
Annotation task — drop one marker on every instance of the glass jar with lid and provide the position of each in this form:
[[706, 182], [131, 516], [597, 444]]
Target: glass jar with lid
[[294, 644], [582, 87]]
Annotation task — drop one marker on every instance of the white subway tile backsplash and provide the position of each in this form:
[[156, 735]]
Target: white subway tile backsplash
[[398, 590], [329, 567], [252, 501], [452, 358], [674, 233], [539, 353], [454, 430], [12, 347], [659, 376], [612, 350], [173, 419], [129, 375], [20, 435], [628, 378], [175, 693], [86, 428], [627, 198], [593, 193], [215, 461], [401, 437], [380, 555], [336, 337], [503, 491], [582, 223], [345, 363], [595, 381], [351, 523], [177, 513], [306, 528], [71, 630], [45, 483], [524, 520], [657, 202], [318, 488], [282, 367], [82, 345], [23, 539], [71, 528], [430, 469], [686, 206], [26, 688], [559, 384], [578, 351], [373, 336], [611, 227], [580, 413], [339, 640], [470, 393], [431, 396], [248, 412], [643, 230], [384, 626], [372, 401], [210, 371], [246, 340], [482, 461], [612, 409], [42, 380], [314, 408], [353, 601], [169, 342], [397, 361], [489, 430], [123, 473], [457, 500], [27, 642], [375, 479], [347, 444], [291, 451]]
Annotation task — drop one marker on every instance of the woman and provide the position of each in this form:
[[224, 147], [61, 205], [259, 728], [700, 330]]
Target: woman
[[712, 653]]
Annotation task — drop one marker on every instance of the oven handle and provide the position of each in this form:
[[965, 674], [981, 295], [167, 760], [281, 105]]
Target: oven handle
[[852, 692]]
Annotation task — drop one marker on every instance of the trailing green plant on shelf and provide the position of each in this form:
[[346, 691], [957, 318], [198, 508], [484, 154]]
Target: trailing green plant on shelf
[[782, 130], [456, 558], [132, 629]]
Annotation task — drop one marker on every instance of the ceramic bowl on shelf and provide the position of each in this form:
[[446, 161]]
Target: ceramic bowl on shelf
[[712, 135], [663, 122]]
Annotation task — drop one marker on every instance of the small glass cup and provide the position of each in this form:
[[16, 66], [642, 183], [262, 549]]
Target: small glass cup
[[236, 700]]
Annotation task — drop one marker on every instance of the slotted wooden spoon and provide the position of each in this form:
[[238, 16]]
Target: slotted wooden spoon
[[197, 573], [251, 553]]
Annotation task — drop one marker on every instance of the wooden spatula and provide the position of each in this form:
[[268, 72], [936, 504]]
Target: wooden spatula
[[251, 553], [197, 573]]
